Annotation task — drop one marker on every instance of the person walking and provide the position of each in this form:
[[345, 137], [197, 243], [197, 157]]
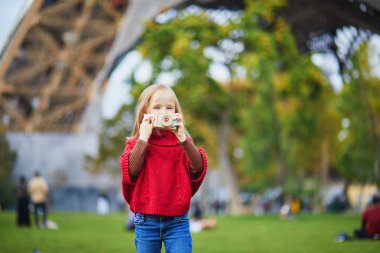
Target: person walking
[[39, 191], [161, 170]]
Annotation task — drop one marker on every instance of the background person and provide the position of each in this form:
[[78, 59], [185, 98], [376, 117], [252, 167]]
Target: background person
[[198, 222], [295, 206], [39, 191], [23, 216], [103, 204], [370, 221]]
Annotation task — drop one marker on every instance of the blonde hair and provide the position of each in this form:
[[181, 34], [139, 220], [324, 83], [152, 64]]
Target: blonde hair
[[143, 103]]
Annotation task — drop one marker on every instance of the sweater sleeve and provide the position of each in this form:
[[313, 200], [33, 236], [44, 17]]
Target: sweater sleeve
[[196, 179], [127, 183], [136, 158], [194, 156]]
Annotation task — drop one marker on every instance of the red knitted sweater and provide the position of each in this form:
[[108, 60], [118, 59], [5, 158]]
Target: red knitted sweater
[[164, 186]]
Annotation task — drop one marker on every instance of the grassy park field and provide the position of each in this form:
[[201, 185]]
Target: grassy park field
[[82, 233]]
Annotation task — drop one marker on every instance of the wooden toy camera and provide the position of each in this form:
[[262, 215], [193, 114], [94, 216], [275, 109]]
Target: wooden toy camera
[[165, 121]]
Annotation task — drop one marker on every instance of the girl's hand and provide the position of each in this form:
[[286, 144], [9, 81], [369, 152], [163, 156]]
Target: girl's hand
[[180, 130], [146, 127]]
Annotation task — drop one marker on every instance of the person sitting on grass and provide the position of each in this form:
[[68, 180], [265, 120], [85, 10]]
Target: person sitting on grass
[[370, 221], [197, 222]]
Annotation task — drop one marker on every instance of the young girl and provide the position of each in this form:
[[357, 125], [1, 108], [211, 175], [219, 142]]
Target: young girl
[[162, 170]]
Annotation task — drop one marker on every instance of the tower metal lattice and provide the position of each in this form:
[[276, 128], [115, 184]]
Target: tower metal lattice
[[47, 70]]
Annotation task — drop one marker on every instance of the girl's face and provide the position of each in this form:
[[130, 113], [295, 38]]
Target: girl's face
[[162, 102]]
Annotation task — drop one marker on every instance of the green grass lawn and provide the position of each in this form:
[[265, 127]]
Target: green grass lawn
[[82, 233]]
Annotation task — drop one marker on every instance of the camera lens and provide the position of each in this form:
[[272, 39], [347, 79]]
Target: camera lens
[[166, 120]]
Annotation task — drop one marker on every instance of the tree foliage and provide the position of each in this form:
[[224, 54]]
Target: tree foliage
[[359, 104]]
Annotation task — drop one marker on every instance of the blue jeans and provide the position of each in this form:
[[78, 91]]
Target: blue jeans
[[152, 230], [40, 206]]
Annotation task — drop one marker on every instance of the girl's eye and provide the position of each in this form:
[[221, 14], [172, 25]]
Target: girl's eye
[[156, 107]]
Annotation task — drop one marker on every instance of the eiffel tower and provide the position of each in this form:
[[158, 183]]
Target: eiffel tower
[[48, 68]]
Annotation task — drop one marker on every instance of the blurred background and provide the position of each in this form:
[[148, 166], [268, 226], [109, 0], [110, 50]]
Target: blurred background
[[283, 95]]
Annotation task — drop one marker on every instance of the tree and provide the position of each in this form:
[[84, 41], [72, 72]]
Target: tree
[[7, 159], [285, 124], [359, 153]]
